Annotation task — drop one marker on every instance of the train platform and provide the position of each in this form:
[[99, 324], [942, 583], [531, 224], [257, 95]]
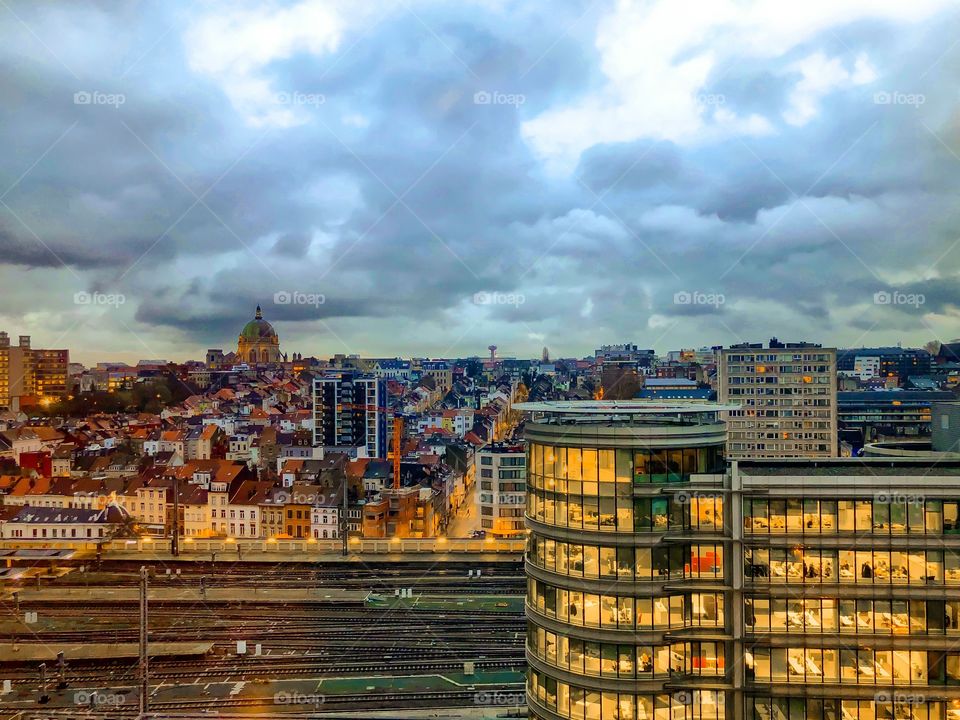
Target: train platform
[[441, 549], [47, 652]]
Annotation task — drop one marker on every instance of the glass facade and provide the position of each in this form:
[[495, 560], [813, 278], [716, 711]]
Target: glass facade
[[852, 590], [625, 551]]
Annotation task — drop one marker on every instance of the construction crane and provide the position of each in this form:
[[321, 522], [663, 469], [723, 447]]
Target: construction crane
[[397, 451]]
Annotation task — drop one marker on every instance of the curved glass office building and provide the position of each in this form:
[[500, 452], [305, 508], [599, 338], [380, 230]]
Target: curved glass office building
[[629, 614]]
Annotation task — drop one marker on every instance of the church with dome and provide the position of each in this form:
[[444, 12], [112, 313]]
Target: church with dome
[[258, 343]]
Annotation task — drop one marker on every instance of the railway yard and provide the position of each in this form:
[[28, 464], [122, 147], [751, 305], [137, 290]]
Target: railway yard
[[330, 639]]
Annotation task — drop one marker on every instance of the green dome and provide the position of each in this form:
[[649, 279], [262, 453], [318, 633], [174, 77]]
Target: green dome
[[258, 329]]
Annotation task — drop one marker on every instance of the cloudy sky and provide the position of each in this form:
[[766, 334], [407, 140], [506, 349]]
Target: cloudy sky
[[429, 177]]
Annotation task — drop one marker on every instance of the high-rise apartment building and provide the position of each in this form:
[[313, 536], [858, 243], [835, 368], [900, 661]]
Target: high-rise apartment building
[[350, 413], [30, 375], [501, 477], [787, 393], [664, 586]]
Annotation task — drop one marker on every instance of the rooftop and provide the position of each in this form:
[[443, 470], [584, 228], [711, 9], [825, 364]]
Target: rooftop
[[846, 467], [622, 407]]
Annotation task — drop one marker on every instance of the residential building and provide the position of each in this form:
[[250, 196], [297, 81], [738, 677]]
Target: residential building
[[46, 523], [787, 393], [30, 375], [501, 488], [350, 413]]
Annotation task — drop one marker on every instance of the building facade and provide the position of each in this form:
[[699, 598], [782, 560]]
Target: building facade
[[663, 585], [627, 604], [787, 393], [879, 414], [350, 412], [501, 472], [31, 375], [884, 361]]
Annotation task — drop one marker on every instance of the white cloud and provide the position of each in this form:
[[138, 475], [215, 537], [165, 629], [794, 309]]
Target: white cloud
[[657, 57], [233, 46], [820, 76]]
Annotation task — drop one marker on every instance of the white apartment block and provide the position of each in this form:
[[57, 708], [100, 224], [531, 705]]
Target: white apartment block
[[501, 472], [788, 399]]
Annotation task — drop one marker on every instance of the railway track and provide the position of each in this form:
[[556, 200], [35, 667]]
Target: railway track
[[366, 701]]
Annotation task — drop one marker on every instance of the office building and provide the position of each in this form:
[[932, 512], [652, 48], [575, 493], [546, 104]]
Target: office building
[[884, 361], [501, 472], [30, 376], [851, 572], [644, 357], [664, 586], [627, 605], [887, 414], [350, 414], [787, 393]]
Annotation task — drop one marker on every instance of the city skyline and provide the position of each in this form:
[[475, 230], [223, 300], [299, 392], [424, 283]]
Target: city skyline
[[428, 179]]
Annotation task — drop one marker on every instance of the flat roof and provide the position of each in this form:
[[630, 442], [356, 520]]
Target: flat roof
[[624, 407], [845, 467]]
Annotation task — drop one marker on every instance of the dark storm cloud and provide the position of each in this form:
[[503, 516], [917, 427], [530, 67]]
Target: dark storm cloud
[[400, 197]]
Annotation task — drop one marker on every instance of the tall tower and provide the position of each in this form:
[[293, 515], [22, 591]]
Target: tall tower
[[493, 351]]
